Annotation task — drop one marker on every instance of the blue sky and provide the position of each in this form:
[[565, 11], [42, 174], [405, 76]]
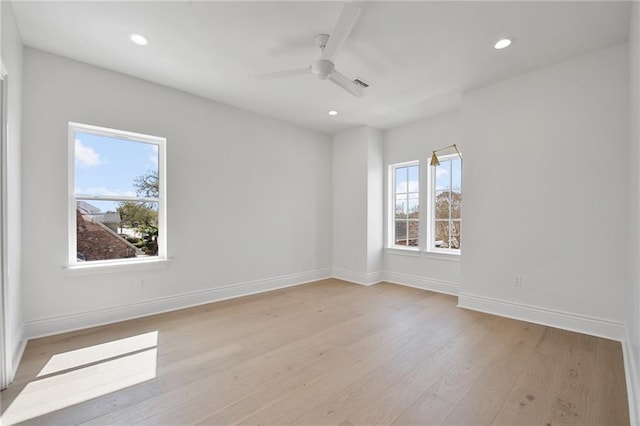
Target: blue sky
[[108, 166], [407, 180], [408, 177], [444, 173]]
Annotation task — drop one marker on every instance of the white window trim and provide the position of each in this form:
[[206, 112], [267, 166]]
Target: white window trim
[[5, 363], [432, 251], [404, 251], [105, 265], [450, 257], [391, 246]]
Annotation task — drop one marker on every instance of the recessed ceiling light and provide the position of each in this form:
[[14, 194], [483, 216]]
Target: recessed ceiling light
[[332, 112], [504, 42], [139, 39]]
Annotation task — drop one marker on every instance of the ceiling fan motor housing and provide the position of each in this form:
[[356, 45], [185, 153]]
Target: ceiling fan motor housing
[[321, 40], [322, 68]]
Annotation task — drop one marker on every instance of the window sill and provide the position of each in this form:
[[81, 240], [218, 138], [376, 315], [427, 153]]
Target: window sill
[[91, 268], [403, 251], [449, 257]]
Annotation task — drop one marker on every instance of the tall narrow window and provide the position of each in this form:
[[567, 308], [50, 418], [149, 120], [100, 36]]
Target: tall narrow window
[[117, 203], [406, 202], [445, 196]]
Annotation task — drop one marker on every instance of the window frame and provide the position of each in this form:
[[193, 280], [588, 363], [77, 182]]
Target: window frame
[[392, 206], [431, 220], [160, 142]]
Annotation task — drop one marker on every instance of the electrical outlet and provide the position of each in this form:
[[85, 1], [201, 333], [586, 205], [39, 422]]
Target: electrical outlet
[[517, 280]]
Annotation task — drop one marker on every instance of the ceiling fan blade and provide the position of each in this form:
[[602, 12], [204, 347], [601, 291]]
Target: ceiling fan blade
[[341, 31], [283, 74], [347, 84]]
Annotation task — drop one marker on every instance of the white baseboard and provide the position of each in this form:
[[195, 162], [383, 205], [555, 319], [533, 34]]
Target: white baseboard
[[357, 277], [573, 322], [63, 323], [568, 321], [439, 286], [631, 376]]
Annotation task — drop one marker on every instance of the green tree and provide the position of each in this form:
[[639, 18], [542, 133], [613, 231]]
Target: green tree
[[143, 216], [447, 210], [135, 214], [147, 185]]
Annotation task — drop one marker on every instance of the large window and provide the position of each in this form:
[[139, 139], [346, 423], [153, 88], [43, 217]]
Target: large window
[[441, 231], [406, 202], [117, 202], [445, 203]]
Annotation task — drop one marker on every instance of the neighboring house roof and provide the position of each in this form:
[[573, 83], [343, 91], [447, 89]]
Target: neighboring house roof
[[86, 208], [94, 214], [95, 241], [111, 217]]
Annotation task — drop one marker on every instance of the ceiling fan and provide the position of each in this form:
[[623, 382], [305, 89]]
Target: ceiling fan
[[324, 68]]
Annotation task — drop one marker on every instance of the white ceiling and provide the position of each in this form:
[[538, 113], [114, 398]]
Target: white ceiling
[[418, 56]]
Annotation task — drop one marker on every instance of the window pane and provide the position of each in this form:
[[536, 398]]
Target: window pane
[[441, 234], [401, 179], [414, 179], [413, 233], [115, 230], [456, 205], [442, 205], [401, 206], [413, 207], [406, 205], [447, 203], [455, 235], [401, 232], [456, 174], [115, 167], [443, 175]]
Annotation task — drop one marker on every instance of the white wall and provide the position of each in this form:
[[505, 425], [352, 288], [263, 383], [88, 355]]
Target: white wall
[[633, 300], [412, 142], [12, 58], [249, 198], [545, 194], [357, 205], [349, 200], [375, 203]]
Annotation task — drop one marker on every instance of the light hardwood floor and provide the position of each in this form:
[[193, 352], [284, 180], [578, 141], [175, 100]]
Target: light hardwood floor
[[329, 352]]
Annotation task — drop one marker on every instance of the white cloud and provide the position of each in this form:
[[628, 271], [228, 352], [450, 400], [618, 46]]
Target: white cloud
[[441, 172], [86, 156], [402, 186], [101, 190]]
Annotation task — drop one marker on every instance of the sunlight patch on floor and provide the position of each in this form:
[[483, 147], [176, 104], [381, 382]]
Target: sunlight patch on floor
[[114, 369], [91, 354]]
